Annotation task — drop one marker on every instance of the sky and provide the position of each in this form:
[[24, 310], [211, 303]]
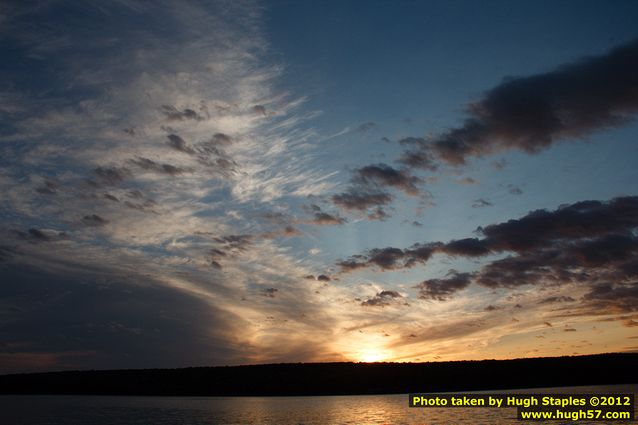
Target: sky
[[201, 183]]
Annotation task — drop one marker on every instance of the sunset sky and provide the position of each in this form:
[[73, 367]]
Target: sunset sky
[[188, 183]]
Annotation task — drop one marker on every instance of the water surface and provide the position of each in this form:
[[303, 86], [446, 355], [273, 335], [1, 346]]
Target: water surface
[[324, 410]]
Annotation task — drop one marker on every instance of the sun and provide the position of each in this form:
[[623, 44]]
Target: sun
[[371, 356]]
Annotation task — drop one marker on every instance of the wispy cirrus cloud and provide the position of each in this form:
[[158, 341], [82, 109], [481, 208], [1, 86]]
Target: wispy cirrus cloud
[[128, 172]]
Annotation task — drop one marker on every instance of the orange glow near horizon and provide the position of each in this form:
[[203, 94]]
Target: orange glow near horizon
[[372, 355]]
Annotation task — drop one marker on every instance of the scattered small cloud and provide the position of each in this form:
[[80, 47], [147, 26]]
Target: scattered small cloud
[[481, 203]]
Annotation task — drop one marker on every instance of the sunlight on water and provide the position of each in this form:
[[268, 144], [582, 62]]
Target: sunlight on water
[[337, 410]]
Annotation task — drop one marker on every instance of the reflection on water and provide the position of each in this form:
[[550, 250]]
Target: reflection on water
[[342, 410]]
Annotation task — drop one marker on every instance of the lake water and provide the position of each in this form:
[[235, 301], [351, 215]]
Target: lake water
[[337, 410]]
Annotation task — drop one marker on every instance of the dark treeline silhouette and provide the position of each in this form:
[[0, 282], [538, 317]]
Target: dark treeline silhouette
[[335, 378]]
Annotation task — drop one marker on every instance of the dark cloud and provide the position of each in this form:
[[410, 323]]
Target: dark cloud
[[142, 203], [378, 214], [88, 319], [286, 232], [173, 114], [215, 256], [179, 144], [418, 155], [594, 232], [322, 218], [325, 219], [514, 190], [221, 139], [361, 199], [579, 220], [532, 113], [587, 243], [499, 164], [225, 164], [40, 235], [229, 245], [366, 126], [151, 165], [382, 299], [468, 247], [94, 220], [323, 278], [260, 110], [557, 299], [443, 289], [390, 258], [481, 203], [238, 242], [270, 292], [368, 190], [492, 308], [49, 187], [468, 181], [110, 176], [385, 175], [608, 297]]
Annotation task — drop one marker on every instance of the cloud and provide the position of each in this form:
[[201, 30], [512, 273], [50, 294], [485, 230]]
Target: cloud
[[589, 243], [49, 187], [179, 144], [381, 299], [41, 235], [172, 128], [418, 155], [322, 218], [221, 139], [594, 232], [491, 308], [366, 126], [514, 190], [532, 113], [94, 220], [361, 199], [173, 114], [97, 323], [368, 190], [391, 258], [325, 219], [270, 292], [235, 242], [111, 176], [443, 289], [607, 297], [468, 247], [467, 181], [557, 299], [385, 175], [147, 164], [500, 164], [481, 203]]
